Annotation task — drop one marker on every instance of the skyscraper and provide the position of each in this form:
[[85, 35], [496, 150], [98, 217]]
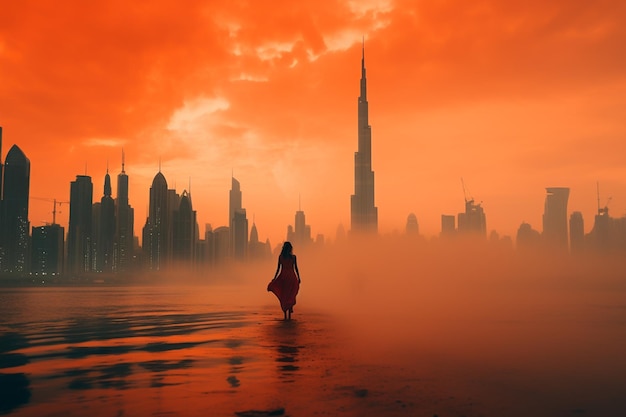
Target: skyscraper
[[79, 237], [184, 231], [156, 234], [105, 242], [124, 228], [473, 220], [576, 232], [238, 222], [47, 249], [14, 256], [555, 217], [364, 215]]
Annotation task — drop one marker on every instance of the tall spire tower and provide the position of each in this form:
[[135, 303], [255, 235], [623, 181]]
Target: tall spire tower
[[364, 215]]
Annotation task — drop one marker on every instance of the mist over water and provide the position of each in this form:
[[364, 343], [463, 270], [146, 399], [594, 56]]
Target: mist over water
[[497, 331]]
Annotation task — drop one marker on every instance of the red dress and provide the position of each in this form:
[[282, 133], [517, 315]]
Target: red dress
[[285, 286]]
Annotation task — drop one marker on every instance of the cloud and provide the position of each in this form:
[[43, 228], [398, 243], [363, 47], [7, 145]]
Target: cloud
[[105, 142]]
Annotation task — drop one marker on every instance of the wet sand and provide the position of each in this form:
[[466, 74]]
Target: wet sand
[[210, 350]]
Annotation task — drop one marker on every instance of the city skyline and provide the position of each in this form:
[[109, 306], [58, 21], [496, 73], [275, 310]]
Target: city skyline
[[530, 100]]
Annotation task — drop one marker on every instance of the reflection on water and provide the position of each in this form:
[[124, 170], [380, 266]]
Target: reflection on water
[[99, 351]]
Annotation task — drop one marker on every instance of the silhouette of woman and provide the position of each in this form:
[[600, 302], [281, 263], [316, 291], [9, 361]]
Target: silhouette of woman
[[286, 282]]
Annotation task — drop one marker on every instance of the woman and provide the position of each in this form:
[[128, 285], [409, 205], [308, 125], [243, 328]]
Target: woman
[[286, 282]]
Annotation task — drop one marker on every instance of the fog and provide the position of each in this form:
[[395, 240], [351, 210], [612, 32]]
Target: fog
[[533, 327]]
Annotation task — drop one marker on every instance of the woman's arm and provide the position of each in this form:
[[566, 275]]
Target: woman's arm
[[277, 268], [295, 266]]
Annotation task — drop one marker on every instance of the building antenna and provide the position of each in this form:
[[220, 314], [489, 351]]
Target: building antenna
[[123, 161], [159, 164]]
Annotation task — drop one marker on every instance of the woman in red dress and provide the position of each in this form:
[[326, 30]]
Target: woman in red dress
[[286, 282]]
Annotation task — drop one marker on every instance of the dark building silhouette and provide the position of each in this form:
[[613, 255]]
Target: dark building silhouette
[[79, 237], [239, 235], [364, 215], [221, 244], [300, 235], [184, 232], [124, 227], [555, 217], [576, 232], [257, 249], [448, 225], [47, 250], [1, 194], [608, 234], [238, 222], [14, 237], [156, 232], [473, 220], [527, 237], [104, 235], [412, 227]]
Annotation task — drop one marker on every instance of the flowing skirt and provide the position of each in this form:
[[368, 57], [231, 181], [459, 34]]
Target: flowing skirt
[[285, 287]]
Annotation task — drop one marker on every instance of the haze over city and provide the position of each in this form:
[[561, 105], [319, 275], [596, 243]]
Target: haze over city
[[513, 99], [462, 171]]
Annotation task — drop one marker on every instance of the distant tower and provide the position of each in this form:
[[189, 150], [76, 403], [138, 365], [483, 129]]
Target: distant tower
[[448, 225], [473, 220], [576, 232], [15, 226], [300, 234], [364, 215], [412, 227], [156, 234], [184, 231], [106, 230], [555, 217], [238, 222], [125, 219], [79, 237]]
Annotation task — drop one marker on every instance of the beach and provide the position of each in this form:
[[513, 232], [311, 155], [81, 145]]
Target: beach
[[224, 350]]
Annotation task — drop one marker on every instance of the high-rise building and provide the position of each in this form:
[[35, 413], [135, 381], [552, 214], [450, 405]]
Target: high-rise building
[[364, 214], [184, 232], [124, 227], [412, 227], [576, 232], [300, 234], [1, 181], [555, 217], [257, 249], [448, 225], [79, 237], [47, 250], [156, 233], [14, 255], [105, 239], [238, 222], [240, 235], [473, 220], [221, 244]]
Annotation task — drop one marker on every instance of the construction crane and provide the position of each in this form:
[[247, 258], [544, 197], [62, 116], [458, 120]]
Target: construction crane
[[55, 203], [471, 199], [605, 209]]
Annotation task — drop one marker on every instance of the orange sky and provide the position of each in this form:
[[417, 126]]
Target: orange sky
[[513, 98]]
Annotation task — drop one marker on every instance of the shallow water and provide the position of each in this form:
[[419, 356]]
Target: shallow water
[[522, 349], [142, 351]]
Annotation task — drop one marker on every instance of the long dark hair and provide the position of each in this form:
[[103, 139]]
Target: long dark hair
[[287, 250]]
